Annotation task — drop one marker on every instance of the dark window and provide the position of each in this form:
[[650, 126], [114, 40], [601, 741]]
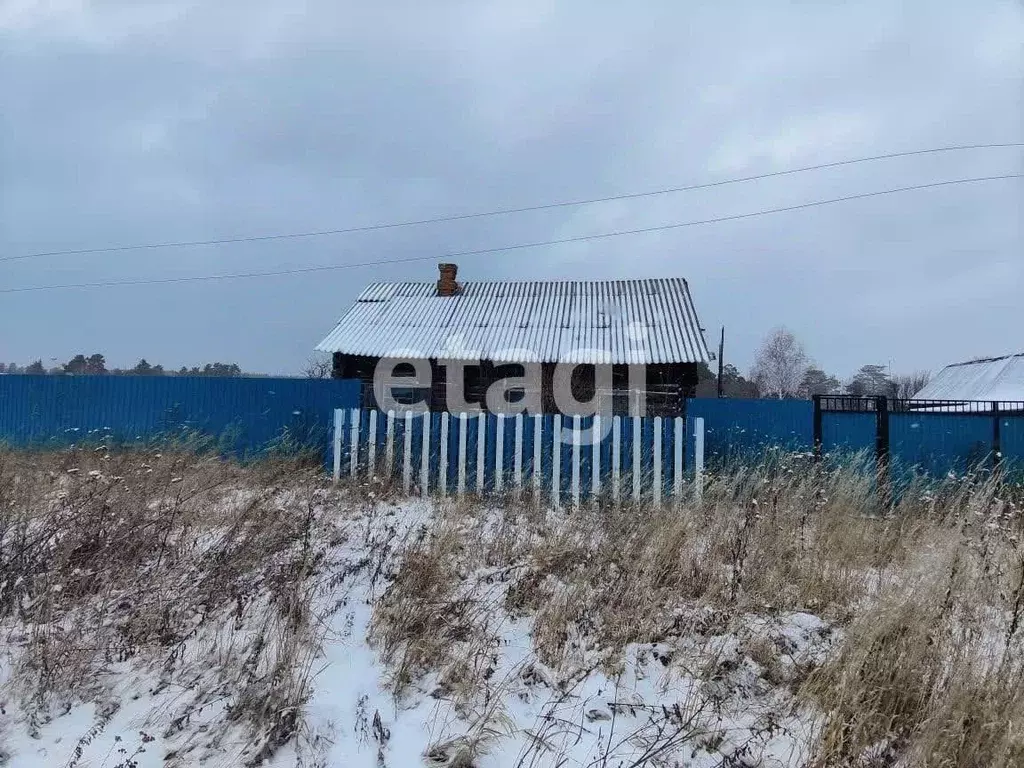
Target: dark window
[[407, 395], [406, 370], [511, 371]]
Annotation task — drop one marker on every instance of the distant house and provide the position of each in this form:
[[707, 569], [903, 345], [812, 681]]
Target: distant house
[[997, 379], [496, 329]]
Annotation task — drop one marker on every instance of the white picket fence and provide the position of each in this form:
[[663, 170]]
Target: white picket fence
[[637, 458]]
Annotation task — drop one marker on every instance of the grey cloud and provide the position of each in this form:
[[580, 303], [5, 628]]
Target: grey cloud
[[133, 123]]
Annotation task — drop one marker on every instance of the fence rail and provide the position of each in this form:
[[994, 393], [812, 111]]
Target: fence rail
[[849, 404]]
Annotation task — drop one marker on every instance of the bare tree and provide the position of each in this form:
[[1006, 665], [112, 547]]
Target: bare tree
[[907, 385], [318, 367], [780, 365]]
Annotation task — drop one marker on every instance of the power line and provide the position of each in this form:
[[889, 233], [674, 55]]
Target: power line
[[513, 247], [503, 211]]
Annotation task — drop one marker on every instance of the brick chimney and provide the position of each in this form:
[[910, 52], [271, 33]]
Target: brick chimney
[[446, 285]]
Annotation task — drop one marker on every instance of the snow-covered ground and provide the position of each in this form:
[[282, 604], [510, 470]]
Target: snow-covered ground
[[284, 623], [653, 710], [659, 706], [687, 700]]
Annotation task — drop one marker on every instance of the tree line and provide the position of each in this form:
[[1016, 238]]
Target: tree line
[[783, 369], [96, 365]]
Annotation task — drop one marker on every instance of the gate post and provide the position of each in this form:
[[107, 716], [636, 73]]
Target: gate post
[[816, 421], [882, 445], [997, 453]]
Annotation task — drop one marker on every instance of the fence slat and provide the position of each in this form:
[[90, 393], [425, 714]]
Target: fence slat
[[407, 453], [442, 475], [481, 449], [499, 454], [556, 460], [339, 432], [677, 466], [518, 460], [463, 422], [595, 447], [371, 447], [657, 461], [616, 455], [637, 456], [425, 456], [698, 456], [576, 459], [356, 416], [389, 446], [538, 453]]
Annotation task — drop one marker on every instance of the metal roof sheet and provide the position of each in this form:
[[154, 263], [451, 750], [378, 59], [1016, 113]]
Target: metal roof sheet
[[617, 321], [997, 379]]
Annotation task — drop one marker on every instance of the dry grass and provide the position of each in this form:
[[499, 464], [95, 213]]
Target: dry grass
[[926, 596], [219, 579], [933, 669], [198, 570]]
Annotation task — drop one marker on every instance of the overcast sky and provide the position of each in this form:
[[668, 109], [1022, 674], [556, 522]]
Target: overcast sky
[[137, 122]]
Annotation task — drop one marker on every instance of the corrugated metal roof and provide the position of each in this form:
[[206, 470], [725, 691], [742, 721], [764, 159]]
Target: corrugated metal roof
[[995, 378], [618, 321]]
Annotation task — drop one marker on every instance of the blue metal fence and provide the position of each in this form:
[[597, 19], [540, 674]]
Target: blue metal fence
[[938, 443], [929, 437], [244, 415], [848, 432], [248, 415], [1012, 444], [738, 429]]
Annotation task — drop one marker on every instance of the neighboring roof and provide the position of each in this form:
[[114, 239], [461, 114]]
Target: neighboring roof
[[993, 378], [620, 321]]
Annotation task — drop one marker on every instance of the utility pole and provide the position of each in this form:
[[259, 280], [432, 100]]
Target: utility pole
[[721, 362]]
